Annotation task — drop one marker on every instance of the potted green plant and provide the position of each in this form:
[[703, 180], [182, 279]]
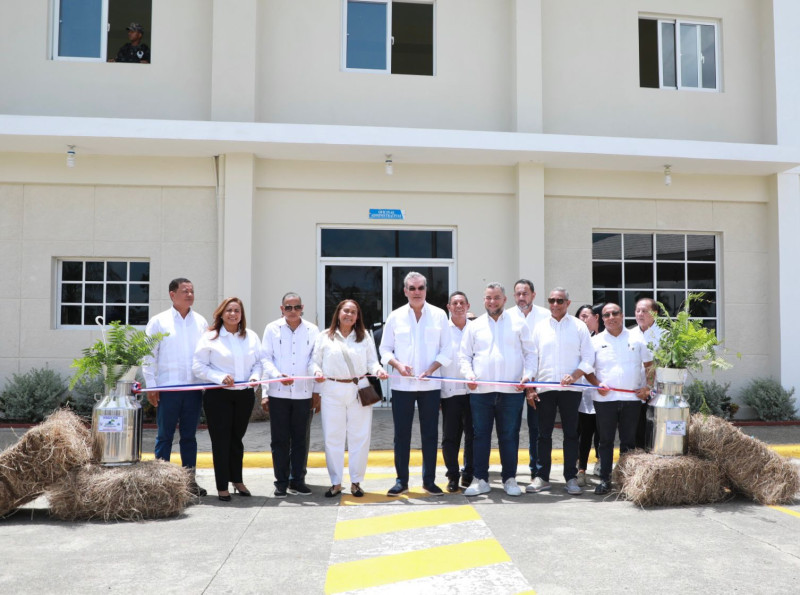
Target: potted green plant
[[117, 355], [685, 344]]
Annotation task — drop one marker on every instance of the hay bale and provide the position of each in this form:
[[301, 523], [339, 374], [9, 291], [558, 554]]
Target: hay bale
[[147, 490], [752, 468], [653, 480], [44, 455]]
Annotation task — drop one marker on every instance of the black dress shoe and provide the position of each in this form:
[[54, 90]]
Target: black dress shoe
[[224, 498], [466, 481], [604, 487], [299, 488], [280, 492], [452, 485], [433, 489], [397, 489]]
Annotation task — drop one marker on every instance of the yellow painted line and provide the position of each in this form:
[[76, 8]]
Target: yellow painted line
[[383, 570], [403, 521], [531, 592], [786, 510], [381, 497], [787, 450]]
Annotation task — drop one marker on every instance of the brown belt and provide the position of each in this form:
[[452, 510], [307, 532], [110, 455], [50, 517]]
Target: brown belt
[[346, 381]]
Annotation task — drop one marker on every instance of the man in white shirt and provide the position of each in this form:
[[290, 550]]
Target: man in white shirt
[[647, 329], [171, 364], [496, 348], [456, 412], [286, 348], [532, 314], [621, 358], [416, 342], [564, 354]]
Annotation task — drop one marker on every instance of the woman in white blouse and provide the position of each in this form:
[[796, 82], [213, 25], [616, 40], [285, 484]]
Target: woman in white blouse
[[229, 352], [344, 346]]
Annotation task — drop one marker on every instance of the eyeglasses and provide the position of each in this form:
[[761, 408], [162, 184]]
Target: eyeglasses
[[558, 301], [611, 313], [412, 288], [296, 308]]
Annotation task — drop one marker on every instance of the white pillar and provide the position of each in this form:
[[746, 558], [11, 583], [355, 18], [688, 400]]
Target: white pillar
[[237, 227], [233, 60], [527, 76], [787, 326], [786, 17], [530, 226]]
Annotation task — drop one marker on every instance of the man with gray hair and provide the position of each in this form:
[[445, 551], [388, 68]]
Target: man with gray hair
[[497, 348], [416, 342], [564, 354], [286, 349]]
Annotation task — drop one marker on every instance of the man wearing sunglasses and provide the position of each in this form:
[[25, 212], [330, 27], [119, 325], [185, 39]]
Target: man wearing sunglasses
[[416, 343], [564, 354], [286, 349], [621, 360]]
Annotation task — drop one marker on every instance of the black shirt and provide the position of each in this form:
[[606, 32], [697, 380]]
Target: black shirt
[[133, 53]]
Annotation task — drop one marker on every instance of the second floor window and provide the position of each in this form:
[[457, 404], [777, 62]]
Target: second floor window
[[678, 54], [388, 36]]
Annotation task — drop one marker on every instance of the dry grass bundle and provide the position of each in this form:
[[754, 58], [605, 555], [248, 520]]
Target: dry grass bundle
[[751, 467], [147, 490], [653, 480], [44, 455]]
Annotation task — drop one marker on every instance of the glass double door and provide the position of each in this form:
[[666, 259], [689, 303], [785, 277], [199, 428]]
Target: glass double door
[[378, 287]]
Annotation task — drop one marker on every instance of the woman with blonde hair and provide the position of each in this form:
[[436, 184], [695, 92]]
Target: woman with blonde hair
[[228, 353], [343, 355]]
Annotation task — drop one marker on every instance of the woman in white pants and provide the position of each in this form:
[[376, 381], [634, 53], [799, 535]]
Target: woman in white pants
[[344, 346]]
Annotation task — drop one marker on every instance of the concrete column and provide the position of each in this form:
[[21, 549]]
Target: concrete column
[[233, 60], [237, 259], [786, 16], [530, 226], [527, 63], [786, 328]]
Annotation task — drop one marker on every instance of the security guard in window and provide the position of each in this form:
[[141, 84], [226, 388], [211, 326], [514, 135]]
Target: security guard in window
[[134, 50]]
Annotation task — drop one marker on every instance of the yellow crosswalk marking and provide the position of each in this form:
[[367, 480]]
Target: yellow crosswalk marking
[[377, 497], [786, 510], [382, 570], [404, 521]]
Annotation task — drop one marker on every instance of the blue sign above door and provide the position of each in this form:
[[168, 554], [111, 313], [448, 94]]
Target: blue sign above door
[[387, 214]]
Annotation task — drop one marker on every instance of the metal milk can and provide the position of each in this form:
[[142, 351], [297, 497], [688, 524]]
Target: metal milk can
[[668, 414], [117, 426]]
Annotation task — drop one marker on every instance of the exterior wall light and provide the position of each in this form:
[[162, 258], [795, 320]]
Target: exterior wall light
[[70, 155], [667, 175], [389, 167]]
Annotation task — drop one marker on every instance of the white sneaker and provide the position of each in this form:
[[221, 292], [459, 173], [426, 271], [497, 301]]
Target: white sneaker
[[478, 486], [596, 469], [582, 478], [511, 487], [538, 485], [573, 488]]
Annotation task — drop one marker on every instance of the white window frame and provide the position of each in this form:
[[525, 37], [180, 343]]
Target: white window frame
[[84, 259], [104, 26], [389, 37], [678, 86]]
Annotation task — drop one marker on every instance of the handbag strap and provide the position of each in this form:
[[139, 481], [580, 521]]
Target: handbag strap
[[346, 356]]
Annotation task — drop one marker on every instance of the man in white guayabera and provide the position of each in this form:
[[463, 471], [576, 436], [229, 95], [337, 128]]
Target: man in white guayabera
[[171, 364], [647, 329]]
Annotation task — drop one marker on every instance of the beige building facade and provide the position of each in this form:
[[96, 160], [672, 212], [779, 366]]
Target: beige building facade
[[262, 151]]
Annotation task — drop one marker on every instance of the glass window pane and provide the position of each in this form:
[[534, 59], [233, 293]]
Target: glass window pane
[[701, 248], [444, 244], [117, 271], [95, 271], [416, 244], [137, 315], [639, 274], [702, 276], [603, 296], [708, 56], [71, 293], [92, 312], [631, 297], [366, 35], [412, 30], [140, 271], [71, 270], [706, 307], [606, 246], [79, 28], [638, 246], [648, 53], [668, 67], [70, 315], [438, 278], [115, 313], [115, 293], [670, 247], [94, 293], [672, 300], [689, 56], [607, 274], [359, 242], [710, 324], [671, 275], [139, 293]]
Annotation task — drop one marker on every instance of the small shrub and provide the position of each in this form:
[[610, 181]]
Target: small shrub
[[82, 396], [34, 395], [716, 396], [770, 400]]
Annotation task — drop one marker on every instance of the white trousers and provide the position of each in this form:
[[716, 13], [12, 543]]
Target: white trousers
[[345, 419]]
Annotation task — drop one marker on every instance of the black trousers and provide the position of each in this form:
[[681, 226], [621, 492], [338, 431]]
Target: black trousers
[[566, 402], [227, 413], [457, 421], [289, 423], [587, 430], [641, 426], [613, 415]]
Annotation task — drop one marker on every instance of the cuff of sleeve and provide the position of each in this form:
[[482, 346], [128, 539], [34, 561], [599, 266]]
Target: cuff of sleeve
[[586, 368]]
